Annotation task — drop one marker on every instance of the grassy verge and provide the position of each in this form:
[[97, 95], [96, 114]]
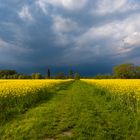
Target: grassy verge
[[78, 111]]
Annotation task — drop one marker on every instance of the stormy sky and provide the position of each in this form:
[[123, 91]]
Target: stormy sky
[[89, 36]]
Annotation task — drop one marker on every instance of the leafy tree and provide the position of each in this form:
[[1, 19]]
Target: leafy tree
[[33, 76], [6, 73], [77, 76], [71, 74], [20, 76], [137, 72], [4, 77], [125, 71], [36, 76], [15, 76]]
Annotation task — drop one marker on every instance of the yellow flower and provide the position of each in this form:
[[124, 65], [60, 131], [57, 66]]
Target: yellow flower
[[19, 88], [118, 86]]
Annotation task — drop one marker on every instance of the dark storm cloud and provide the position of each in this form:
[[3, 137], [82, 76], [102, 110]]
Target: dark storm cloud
[[82, 34]]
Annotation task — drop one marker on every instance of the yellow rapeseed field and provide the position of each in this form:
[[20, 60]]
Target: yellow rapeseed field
[[18, 95], [118, 86], [17, 88]]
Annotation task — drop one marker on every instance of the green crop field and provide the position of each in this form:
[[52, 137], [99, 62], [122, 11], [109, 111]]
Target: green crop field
[[72, 110]]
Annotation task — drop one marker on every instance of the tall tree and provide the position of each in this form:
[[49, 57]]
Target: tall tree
[[48, 73]]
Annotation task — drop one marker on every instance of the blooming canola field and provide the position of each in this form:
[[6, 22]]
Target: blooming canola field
[[17, 88], [70, 109], [118, 86], [18, 95]]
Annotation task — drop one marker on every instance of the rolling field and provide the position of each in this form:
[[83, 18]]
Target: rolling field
[[69, 110]]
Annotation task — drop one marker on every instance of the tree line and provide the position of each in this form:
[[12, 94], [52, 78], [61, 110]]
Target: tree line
[[122, 71], [13, 74]]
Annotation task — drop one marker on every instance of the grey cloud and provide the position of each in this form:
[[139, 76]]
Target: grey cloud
[[61, 34]]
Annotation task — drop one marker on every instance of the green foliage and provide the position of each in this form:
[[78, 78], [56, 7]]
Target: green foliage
[[15, 76], [71, 74], [4, 77], [137, 72], [23, 76], [12, 74], [36, 76], [33, 76], [126, 71], [77, 76], [7, 72], [60, 75], [123, 71], [103, 76], [20, 77]]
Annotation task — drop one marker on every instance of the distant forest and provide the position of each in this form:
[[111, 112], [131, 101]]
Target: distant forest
[[123, 71]]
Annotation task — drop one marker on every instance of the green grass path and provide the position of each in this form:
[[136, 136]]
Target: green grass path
[[76, 112]]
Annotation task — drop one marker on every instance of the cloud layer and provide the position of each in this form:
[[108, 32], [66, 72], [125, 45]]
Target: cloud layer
[[69, 33]]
